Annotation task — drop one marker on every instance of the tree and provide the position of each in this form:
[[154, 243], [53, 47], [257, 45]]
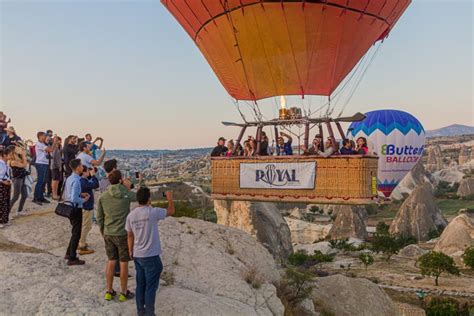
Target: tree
[[367, 259], [468, 257], [434, 263], [386, 244]]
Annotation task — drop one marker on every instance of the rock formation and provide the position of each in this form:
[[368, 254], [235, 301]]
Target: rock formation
[[306, 233], [458, 235], [260, 219], [209, 269], [435, 159], [412, 251], [343, 296], [418, 215], [350, 222], [417, 176], [464, 155], [466, 188]]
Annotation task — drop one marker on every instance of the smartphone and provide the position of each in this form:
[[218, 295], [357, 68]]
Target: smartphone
[[164, 194], [137, 174]]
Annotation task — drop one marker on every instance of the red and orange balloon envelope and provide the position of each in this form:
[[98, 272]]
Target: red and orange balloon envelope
[[265, 48]]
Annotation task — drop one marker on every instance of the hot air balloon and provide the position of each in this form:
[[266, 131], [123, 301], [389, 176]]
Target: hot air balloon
[[398, 138], [267, 48]]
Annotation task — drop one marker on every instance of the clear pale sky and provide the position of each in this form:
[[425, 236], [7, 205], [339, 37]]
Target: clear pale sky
[[125, 70]]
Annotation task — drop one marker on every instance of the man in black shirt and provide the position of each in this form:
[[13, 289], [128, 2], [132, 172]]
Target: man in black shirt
[[70, 151], [220, 149]]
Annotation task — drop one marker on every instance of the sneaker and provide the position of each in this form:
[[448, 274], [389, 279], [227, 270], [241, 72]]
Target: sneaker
[[45, 201], [7, 224], [127, 296], [66, 257], [110, 295], [2, 226], [75, 262], [85, 251], [37, 202]]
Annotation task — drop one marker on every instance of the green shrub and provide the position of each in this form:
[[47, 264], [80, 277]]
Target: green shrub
[[435, 233], [294, 288], [404, 240], [298, 258], [342, 244], [446, 307], [301, 258], [468, 257], [366, 258], [435, 263], [382, 228]]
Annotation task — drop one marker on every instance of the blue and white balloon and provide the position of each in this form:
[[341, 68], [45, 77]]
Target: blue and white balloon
[[398, 138]]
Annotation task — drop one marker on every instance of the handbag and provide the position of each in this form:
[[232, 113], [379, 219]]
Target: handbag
[[64, 208]]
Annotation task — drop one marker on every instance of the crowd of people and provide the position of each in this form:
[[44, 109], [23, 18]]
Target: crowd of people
[[74, 172], [284, 147]]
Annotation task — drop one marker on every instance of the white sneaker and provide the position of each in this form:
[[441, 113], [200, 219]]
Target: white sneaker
[[2, 226]]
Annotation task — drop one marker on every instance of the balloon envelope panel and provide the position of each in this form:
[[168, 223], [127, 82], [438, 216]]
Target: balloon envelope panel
[[398, 138], [265, 48]]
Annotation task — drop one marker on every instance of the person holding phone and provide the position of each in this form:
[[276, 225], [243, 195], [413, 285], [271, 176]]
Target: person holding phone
[[72, 194], [89, 183], [144, 246]]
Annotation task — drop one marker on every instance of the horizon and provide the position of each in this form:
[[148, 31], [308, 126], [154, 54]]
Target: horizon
[[132, 62]]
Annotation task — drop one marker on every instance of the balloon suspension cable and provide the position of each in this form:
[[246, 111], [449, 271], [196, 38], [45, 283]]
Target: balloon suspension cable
[[237, 106], [359, 80], [337, 95]]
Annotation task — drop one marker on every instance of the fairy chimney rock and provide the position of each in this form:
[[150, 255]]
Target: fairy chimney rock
[[418, 215]]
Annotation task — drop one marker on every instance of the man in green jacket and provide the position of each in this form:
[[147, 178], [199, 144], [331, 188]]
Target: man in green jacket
[[112, 210]]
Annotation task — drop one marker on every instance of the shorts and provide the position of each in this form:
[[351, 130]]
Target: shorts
[[116, 248], [56, 174]]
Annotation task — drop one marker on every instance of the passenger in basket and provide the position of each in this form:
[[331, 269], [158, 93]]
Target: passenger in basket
[[315, 147], [220, 149], [347, 148], [230, 148], [264, 145], [329, 148], [284, 148], [362, 148]]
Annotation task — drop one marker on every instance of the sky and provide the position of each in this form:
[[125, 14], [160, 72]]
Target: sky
[[127, 71]]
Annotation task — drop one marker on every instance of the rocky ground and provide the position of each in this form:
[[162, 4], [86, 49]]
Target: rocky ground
[[205, 267]]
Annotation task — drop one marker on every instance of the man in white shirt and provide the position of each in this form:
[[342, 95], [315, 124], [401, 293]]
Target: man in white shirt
[[85, 155], [145, 248], [42, 150]]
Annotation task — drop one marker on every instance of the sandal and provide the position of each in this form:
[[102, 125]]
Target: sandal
[[127, 296]]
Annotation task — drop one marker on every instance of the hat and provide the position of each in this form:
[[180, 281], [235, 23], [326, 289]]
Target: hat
[[10, 129], [222, 138]]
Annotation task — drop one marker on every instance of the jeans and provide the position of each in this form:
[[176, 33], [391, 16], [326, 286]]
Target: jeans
[[41, 171], [76, 223], [148, 278], [19, 190]]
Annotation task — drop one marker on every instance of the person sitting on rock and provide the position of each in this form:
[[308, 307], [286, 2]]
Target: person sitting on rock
[[145, 247], [220, 150], [347, 148]]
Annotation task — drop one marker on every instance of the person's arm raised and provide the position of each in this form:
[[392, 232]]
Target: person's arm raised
[[99, 161]]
